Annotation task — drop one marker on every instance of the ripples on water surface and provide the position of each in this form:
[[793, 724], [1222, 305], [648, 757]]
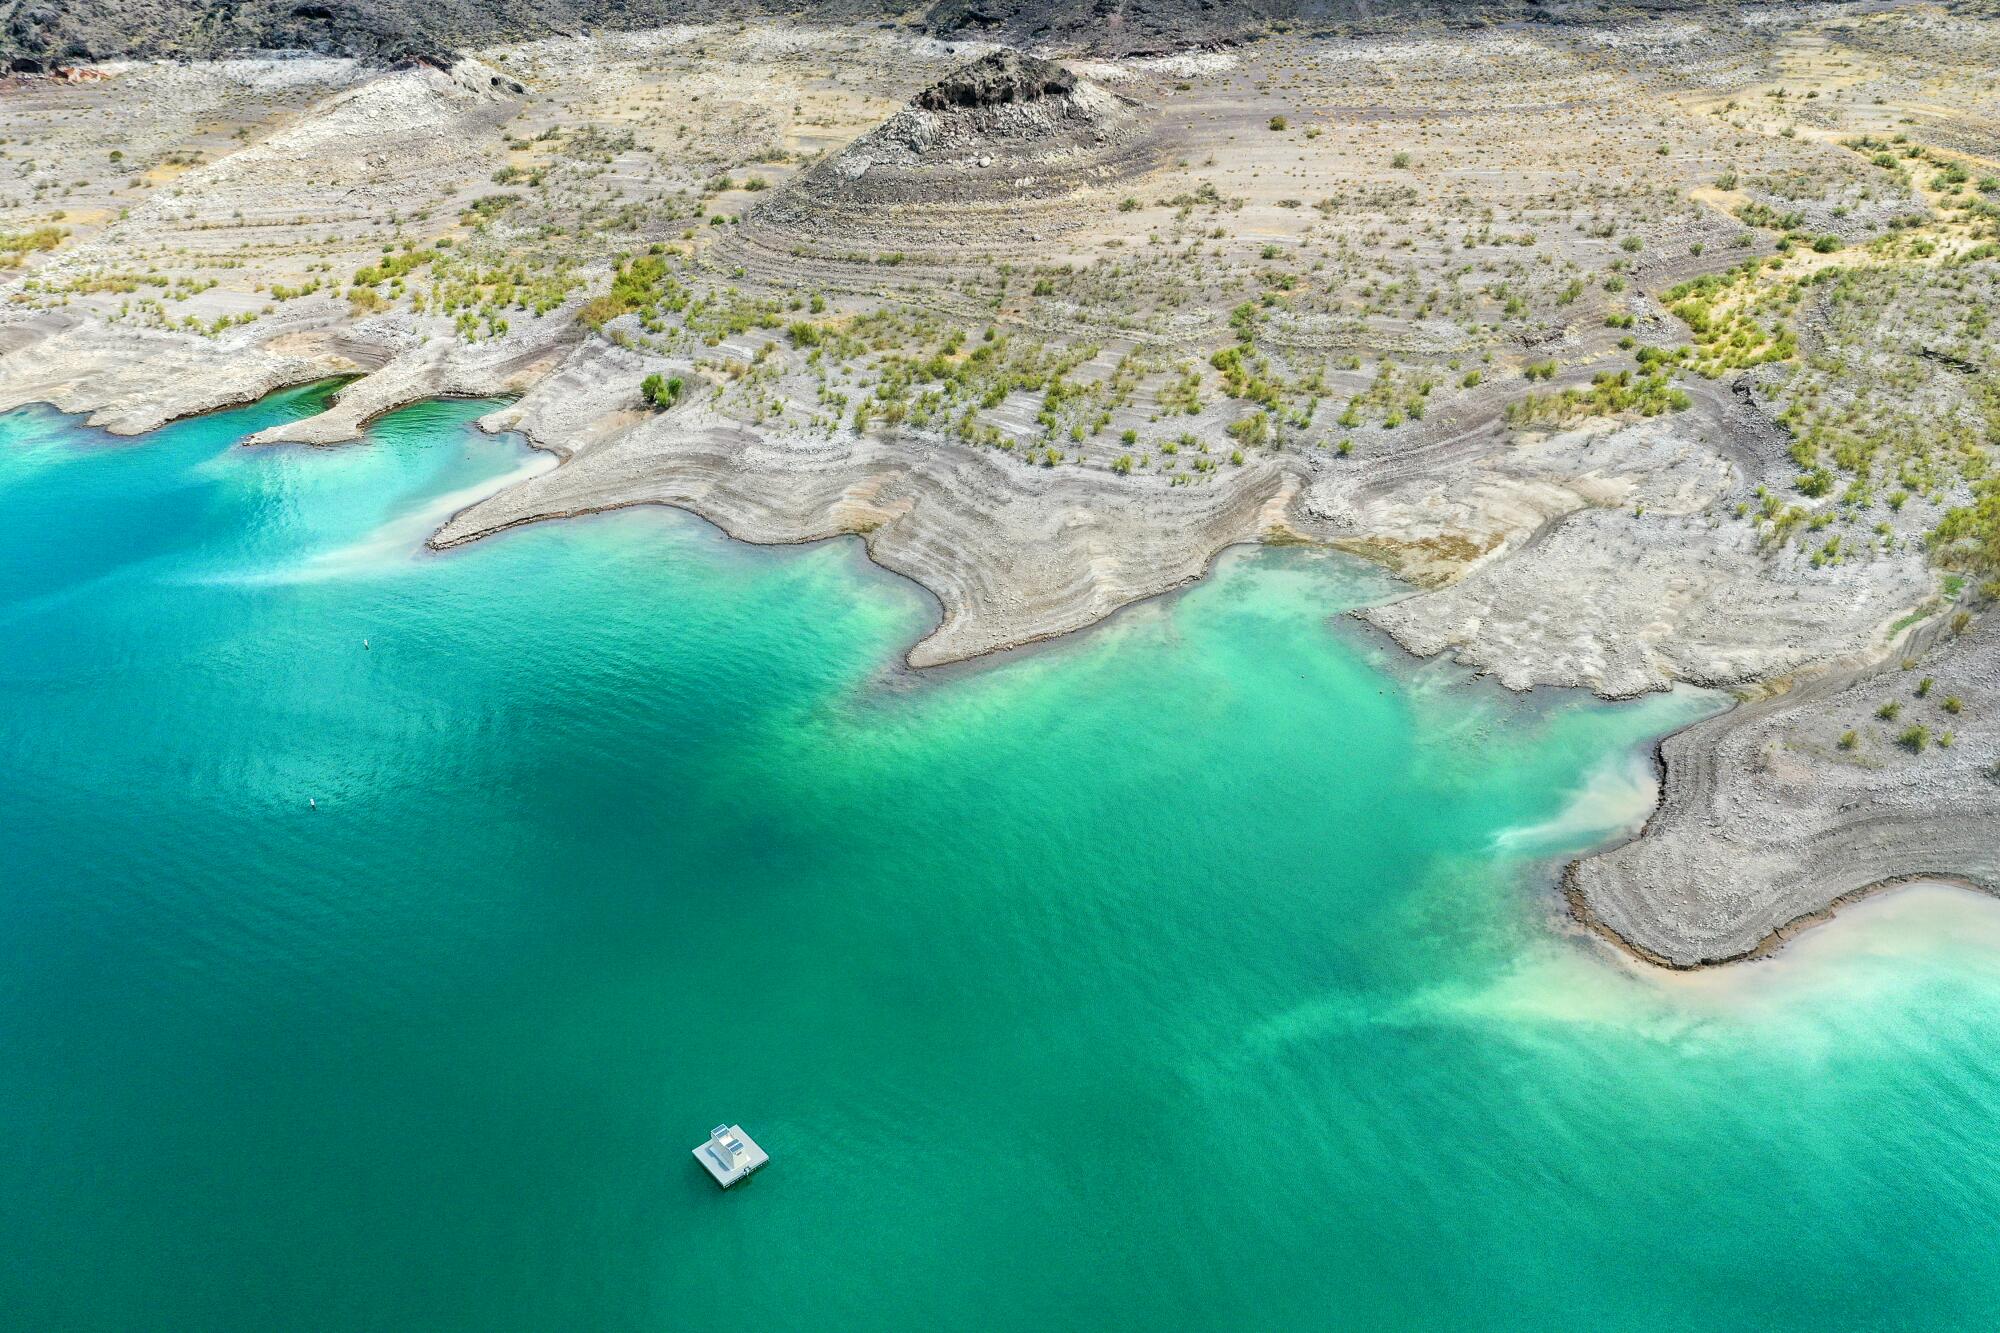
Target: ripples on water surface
[[1199, 971]]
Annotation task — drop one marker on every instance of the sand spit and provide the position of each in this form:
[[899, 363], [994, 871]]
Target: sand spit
[[1048, 339]]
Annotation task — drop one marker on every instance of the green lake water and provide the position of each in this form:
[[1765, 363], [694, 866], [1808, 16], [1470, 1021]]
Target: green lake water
[[1200, 971]]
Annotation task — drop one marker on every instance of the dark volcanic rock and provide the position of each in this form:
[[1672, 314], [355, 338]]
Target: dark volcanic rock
[[1139, 27], [1005, 133], [996, 79], [43, 34]]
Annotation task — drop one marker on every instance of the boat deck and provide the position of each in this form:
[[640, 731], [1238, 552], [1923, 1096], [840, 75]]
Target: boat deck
[[729, 1155]]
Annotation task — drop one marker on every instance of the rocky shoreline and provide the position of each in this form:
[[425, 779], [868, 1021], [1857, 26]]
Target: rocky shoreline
[[1616, 551], [1740, 855], [1768, 824]]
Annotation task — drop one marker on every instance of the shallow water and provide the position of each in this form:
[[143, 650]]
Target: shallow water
[[1199, 971]]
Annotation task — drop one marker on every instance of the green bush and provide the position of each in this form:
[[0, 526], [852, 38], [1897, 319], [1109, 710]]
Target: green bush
[[662, 392]]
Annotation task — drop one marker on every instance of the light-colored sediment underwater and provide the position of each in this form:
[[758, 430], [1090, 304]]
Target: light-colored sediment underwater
[[1090, 985]]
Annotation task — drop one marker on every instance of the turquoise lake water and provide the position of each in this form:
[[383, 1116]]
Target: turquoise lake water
[[1200, 971]]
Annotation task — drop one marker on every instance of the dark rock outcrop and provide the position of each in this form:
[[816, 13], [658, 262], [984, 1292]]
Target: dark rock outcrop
[[1002, 130], [995, 80], [48, 34]]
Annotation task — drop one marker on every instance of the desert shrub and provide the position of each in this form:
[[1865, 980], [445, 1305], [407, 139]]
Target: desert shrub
[[662, 391]]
